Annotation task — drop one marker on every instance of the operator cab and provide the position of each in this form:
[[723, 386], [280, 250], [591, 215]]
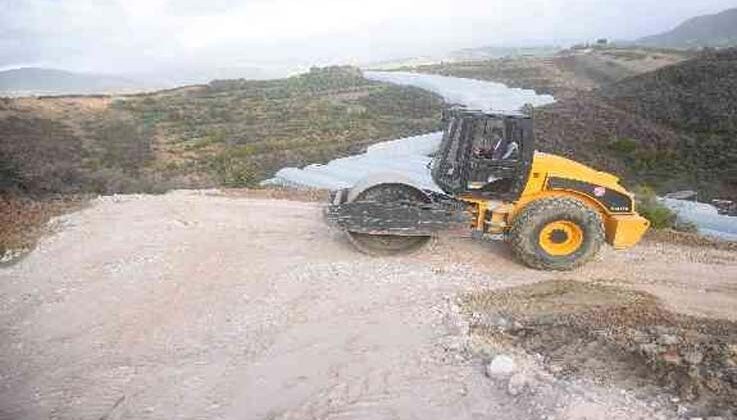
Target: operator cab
[[485, 155]]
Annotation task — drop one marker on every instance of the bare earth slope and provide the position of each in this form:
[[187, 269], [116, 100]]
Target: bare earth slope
[[203, 305]]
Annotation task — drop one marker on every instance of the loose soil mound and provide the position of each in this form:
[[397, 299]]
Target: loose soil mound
[[617, 337]]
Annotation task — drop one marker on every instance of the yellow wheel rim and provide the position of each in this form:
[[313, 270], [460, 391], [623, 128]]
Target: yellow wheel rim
[[561, 238]]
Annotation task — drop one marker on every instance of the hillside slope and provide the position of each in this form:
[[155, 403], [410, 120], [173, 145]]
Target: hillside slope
[[226, 133], [698, 99], [696, 95], [717, 30], [674, 128]]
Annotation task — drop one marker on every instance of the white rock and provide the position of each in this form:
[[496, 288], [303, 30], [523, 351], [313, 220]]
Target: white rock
[[668, 339], [518, 383], [694, 357], [455, 323], [9, 255], [454, 344], [501, 366]]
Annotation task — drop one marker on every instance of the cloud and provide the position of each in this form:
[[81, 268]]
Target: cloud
[[135, 35]]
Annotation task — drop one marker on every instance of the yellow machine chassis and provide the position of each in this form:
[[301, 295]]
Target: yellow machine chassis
[[623, 229]]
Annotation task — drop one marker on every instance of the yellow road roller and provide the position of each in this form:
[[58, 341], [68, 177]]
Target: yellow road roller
[[487, 178]]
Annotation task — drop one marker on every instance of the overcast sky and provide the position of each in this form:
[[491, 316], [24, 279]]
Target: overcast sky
[[119, 36]]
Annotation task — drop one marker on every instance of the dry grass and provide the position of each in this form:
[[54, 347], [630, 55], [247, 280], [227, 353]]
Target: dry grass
[[231, 133], [23, 219]]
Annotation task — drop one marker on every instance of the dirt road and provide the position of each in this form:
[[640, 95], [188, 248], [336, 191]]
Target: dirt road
[[197, 305]]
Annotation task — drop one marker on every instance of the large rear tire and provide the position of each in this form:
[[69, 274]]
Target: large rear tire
[[556, 234], [385, 245]]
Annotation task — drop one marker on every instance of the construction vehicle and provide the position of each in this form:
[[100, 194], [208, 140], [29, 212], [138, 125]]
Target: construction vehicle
[[554, 212]]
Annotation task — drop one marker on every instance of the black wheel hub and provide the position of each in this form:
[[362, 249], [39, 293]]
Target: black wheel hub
[[558, 236]]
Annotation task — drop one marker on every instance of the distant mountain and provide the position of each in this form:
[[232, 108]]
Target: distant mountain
[[718, 30], [44, 81], [34, 80]]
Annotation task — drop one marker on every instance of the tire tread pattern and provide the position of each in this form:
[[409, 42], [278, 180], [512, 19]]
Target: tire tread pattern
[[524, 240]]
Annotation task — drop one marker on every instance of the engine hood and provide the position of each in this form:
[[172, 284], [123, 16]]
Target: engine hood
[[560, 167]]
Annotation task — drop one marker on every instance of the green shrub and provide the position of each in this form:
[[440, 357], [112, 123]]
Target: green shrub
[[683, 226], [623, 146], [649, 207], [235, 173]]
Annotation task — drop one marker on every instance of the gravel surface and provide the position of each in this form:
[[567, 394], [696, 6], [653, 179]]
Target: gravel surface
[[200, 305]]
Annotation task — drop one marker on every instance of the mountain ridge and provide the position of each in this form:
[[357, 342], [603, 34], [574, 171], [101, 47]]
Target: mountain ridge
[[40, 81], [714, 30], [43, 80]]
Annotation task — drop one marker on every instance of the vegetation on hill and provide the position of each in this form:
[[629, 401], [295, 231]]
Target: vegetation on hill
[[226, 133], [698, 100], [696, 96], [717, 30]]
